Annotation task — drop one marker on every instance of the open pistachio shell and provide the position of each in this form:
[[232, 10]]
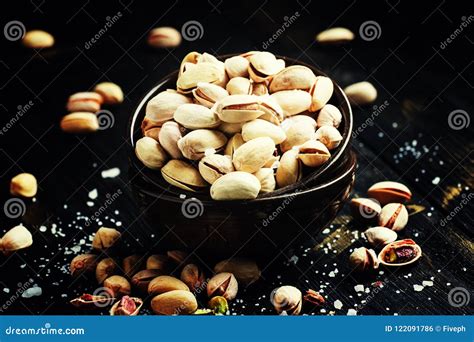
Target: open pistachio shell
[[190, 58], [313, 153], [196, 144], [207, 93], [183, 175], [272, 111], [389, 192], [262, 65], [393, 216], [127, 306], [214, 166], [200, 72], [293, 77], [400, 253], [239, 108]]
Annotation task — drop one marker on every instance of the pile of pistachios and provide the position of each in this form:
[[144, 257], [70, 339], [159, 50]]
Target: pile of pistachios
[[243, 126]]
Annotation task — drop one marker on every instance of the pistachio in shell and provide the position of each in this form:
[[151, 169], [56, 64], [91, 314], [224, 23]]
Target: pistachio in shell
[[261, 128], [246, 271], [168, 137], [389, 192], [195, 116], [238, 108], [230, 128], [132, 264], [150, 153], [83, 263], [105, 238], [329, 115], [297, 134], [193, 277], [289, 170], [233, 144], [292, 101], [164, 283], [364, 260], [183, 175], [239, 86], [117, 286], [196, 144], [361, 93], [266, 176], [400, 253], [393, 216], [380, 236], [162, 107], [329, 136], [200, 72], [293, 77], [214, 166], [158, 262], [105, 268], [236, 66], [321, 92], [176, 302], [142, 278], [253, 154], [207, 94], [237, 185], [287, 299], [313, 153], [15, 239], [223, 284], [126, 306]]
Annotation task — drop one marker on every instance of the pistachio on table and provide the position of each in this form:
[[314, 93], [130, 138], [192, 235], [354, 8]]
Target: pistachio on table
[[193, 276], [38, 39], [223, 284], [105, 269], [142, 278], [24, 184], [394, 216], [117, 286], [111, 93], [126, 306], [105, 238], [15, 239], [400, 253], [164, 37], [380, 236], [176, 302], [287, 299], [365, 209], [389, 192], [164, 283], [364, 260]]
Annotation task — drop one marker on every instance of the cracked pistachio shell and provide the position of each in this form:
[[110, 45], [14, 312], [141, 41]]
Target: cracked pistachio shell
[[105, 238], [230, 128], [298, 119], [86, 101], [321, 92], [365, 209], [289, 169], [239, 86], [236, 66], [150, 153], [361, 93], [271, 110], [262, 65], [261, 128], [253, 154], [200, 72], [24, 184], [214, 166], [266, 177], [168, 137], [259, 89], [235, 185], [335, 35], [164, 283], [292, 101], [313, 153], [110, 92], [223, 284], [394, 216], [183, 175], [83, 263], [239, 108], [389, 192], [195, 144], [297, 134], [364, 260], [293, 77], [400, 253], [329, 136], [176, 302], [190, 58], [233, 144], [16, 238], [329, 115], [162, 107], [194, 116], [80, 122], [288, 299], [207, 94], [380, 236]]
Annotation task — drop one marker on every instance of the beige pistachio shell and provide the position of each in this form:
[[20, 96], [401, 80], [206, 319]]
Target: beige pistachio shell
[[16, 238], [297, 134], [168, 136], [365, 209], [110, 92], [262, 65], [191, 58], [162, 107], [380, 236], [239, 108], [364, 260], [79, 122], [239, 86], [293, 101], [321, 92], [329, 115], [233, 144], [289, 170], [410, 252], [37, 39], [261, 128], [194, 116], [305, 119], [207, 94], [230, 128], [105, 238], [266, 177], [214, 166], [259, 89], [335, 35], [105, 269], [164, 283], [183, 175], [389, 192], [272, 111], [287, 299], [176, 302], [361, 93], [196, 144], [164, 37], [394, 216], [313, 153], [236, 66], [200, 72], [293, 77], [235, 185], [24, 184], [329, 136], [150, 153], [253, 154], [86, 101]]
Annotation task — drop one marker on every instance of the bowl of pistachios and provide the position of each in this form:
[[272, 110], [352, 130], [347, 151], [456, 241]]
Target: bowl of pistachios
[[226, 149]]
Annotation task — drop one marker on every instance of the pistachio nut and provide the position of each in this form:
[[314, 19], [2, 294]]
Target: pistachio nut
[[259, 89], [132, 264], [177, 302], [191, 58], [207, 93], [400, 253], [239, 86], [142, 278], [289, 170], [79, 122], [253, 154], [83, 263], [117, 286], [214, 166], [262, 65], [38, 39], [266, 177], [365, 209], [164, 283], [168, 137], [313, 153], [24, 184], [194, 116], [208, 58], [271, 110], [110, 92], [238, 108], [230, 128], [321, 92], [246, 271], [183, 175], [287, 299], [236, 66], [200, 72], [195, 144], [261, 128], [158, 262], [329, 115], [297, 134], [293, 77], [363, 259], [153, 133], [105, 268], [314, 298], [218, 305], [88, 301], [335, 35], [305, 119], [233, 144], [389, 192], [193, 277], [380, 236], [164, 37], [329, 136], [394, 216], [105, 238], [162, 107], [15, 239], [84, 102], [126, 306], [148, 124], [178, 257], [150, 153], [235, 185], [361, 93], [292, 101], [223, 284]]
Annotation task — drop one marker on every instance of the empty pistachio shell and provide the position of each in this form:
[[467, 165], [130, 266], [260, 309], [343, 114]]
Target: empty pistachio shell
[[223, 284], [293, 77], [164, 37], [246, 271], [329, 136], [321, 91], [233, 144], [162, 107], [195, 144], [236, 66], [394, 216], [38, 39], [235, 185], [239, 108], [313, 153], [297, 134], [150, 153], [80, 122], [168, 136], [16, 238], [207, 93], [259, 89], [200, 72], [329, 115], [266, 177], [363, 259], [183, 175], [126, 306], [110, 92], [214, 166], [252, 155], [365, 209], [239, 86], [84, 102], [292, 101], [177, 302], [230, 128], [262, 128], [389, 192], [262, 65], [194, 116], [105, 238], [105, 268], [287, 299], [289, 170], [335, 35], [361, 93], [164, 284], [380, 236], [24, 184], [400, 253]]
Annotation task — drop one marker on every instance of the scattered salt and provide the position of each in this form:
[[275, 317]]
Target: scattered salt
[[436, 180], [32, 292], [427, 283], [351, 312], [110, 173], [418, 288], [93, 194], [338, 304], [359, 288]]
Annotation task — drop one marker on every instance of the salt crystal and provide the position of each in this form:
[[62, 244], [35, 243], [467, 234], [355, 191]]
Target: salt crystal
[[359, 288], [331, 274], [32, 292], [338, 304], [93, 194], [110, 173], [90, 203], [351, 312], [427, 283], [6, 290], [42, 229], [436, 180], [418, 288], [326, 231]]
